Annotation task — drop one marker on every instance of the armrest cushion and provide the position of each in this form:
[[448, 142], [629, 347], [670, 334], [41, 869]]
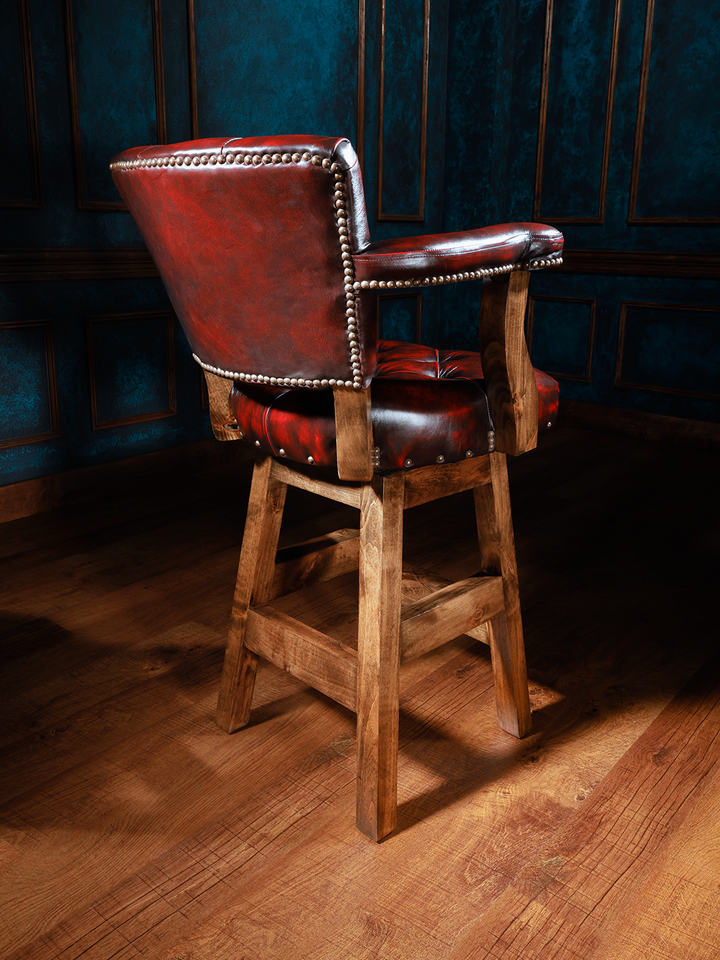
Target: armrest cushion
[[446, 257]]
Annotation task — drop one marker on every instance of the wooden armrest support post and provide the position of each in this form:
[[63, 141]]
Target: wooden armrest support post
[[353, 430], [219, 390], [509, 377]]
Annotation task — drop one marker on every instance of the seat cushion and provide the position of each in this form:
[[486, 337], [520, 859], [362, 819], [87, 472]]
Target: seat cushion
[[428, 406]]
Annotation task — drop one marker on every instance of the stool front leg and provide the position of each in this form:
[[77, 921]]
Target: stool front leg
[[378, 694], [254, 581], [507, 647]]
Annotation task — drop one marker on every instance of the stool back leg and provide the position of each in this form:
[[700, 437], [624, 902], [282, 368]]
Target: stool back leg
[[378, 712], [254, 580], [497, 551]]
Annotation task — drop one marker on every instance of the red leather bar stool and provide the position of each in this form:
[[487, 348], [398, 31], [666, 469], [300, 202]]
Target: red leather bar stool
[[263, 247]]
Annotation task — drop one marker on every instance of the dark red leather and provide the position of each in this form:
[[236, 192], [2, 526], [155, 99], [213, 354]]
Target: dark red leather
[[408, 258], [426, 404], [250, 253], [263, 246]]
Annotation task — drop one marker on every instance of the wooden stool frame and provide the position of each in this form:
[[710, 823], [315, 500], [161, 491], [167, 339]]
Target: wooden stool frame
[[485, 606]]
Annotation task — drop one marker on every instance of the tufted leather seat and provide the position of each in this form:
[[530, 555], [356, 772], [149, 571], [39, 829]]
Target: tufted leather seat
[[264, 249], [415, 423]]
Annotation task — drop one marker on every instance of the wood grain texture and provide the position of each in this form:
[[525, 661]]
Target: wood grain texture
[[348, 494], [579, 892], [130, 825], [511, 389], [430, 483], [307, 654], [497, 552], [381, 537], [447, 613], [219, 390], [353, 431], [255, 576], [315, 560]]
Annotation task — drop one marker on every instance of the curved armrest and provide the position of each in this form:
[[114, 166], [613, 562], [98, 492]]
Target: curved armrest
[[449, 257]]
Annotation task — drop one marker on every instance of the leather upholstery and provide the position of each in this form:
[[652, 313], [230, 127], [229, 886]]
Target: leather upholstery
[[426, 404], [455, 253], [270, 299], [264, 249]]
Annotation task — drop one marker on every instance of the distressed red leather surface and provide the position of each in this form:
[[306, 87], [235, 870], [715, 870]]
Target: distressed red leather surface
[[440, 254], [250, 253], [426, 404], [260, 243]]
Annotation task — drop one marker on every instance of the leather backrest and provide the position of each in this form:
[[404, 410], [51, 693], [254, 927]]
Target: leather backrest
[[253, 238]]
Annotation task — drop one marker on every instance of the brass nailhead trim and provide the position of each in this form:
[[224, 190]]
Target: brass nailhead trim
[[455, 277], [339, 201]]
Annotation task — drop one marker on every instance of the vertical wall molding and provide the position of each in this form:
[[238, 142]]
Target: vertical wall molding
[[360, 145], [171, 409], [420, 214], [81, 201], [192, 70], [159, 70], [633, 218], [51, 373], [599, 218], [34, 201]]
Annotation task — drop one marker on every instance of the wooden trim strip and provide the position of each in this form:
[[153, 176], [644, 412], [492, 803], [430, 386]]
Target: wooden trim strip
[[636, 423], [448, 613], [642, 263], [159, 71], [426, 484], [28, 497], [348, 494], [599, 218], [100, 263], [362, 41], [304, 652], [420, 215], [34, 201], [21, 264], [192, 69], [314, 561]]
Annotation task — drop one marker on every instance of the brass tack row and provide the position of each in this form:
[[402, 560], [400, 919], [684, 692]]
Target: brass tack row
[[245, 159], [455, 277]]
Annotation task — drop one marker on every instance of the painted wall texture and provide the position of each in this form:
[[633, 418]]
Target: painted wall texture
[[598, 116]]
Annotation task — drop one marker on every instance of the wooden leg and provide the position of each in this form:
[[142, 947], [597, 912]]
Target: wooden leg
[[254, 581], [497, 549], [381, 529]]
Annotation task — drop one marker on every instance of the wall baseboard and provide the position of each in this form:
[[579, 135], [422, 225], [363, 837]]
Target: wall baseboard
[[635, 423], [28, 497]]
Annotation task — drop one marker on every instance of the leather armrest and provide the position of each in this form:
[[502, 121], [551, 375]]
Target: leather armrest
[[449, 257]]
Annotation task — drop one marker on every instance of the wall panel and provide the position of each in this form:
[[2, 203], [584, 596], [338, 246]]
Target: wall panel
[[20, 156], [677, 133], [131, 368], [115, 77], [576, 108], [561, 334], [669, 348], [28, 383], [403, 109]]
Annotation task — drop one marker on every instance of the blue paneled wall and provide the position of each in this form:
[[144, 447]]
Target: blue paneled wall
[[601, 117]]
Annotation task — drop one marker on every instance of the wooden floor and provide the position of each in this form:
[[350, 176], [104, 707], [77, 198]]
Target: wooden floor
[[131, 827]]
